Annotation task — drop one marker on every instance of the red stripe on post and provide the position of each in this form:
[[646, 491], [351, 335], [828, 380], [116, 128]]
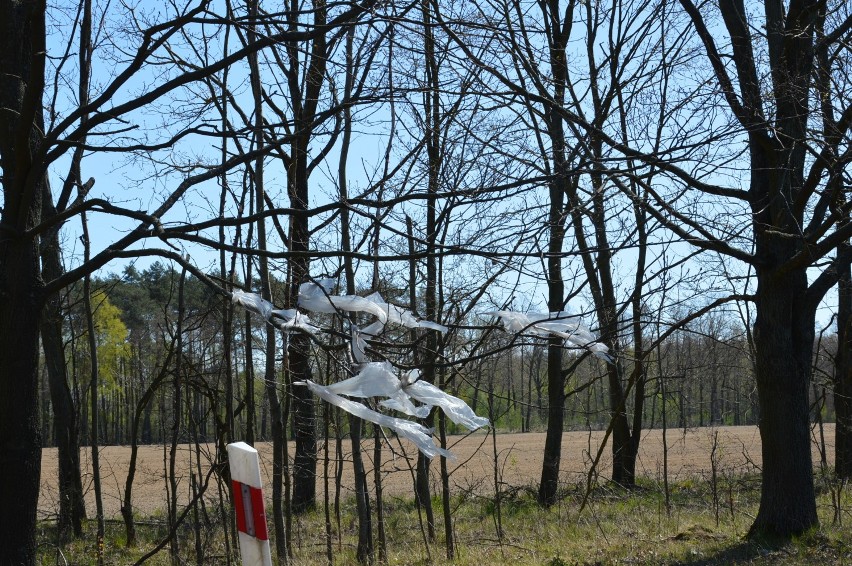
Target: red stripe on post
[[259, 511], [239, 510], [250, 511]]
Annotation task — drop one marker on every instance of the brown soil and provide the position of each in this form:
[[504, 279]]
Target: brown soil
[[519, 458]]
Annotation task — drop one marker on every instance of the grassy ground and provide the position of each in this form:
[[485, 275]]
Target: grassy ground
[[615, 527]]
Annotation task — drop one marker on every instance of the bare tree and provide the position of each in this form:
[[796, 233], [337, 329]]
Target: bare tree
[[788, 207], [26, 153], [794, 222], [72, 509]]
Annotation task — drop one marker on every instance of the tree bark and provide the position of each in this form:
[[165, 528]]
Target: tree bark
[[422, 490], [549, 484], [843, 380], [72, 509], [557, 188], [21, 295], [779, 197], [784, 346], [304, 411], [20, 437], [305, 104]]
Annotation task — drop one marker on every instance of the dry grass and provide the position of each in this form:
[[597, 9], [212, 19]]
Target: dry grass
[[615, 527], [519, 456]]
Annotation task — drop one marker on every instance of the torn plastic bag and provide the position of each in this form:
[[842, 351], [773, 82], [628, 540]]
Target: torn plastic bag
[[562, 324], [252, 302], [456, 410], [291, 319], [416, 433], [283, 319], [377, 379], [359, 339], [314, 297], [398, 315]]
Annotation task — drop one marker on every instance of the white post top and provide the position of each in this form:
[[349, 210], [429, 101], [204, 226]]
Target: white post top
[[245, 465]]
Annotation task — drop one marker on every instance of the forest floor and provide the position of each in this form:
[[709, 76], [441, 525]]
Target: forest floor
[[708, 511]]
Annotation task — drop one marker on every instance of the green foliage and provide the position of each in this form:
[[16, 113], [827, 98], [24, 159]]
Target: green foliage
[[111, 338]]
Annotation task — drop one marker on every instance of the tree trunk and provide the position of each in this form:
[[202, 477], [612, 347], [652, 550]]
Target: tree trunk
[[623, 457], [364, 551], [20, 437], [94, 384], [304, 412], [72, 509], [556, 219], [305, 93], [785, 304], [278, 467], [422, 490], [21, 298], [547, 492], [549, 485], [783, 339], [843, 380]]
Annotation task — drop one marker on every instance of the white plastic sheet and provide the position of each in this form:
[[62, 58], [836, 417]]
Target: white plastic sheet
[[562, 324], [252, 302], [378, 379], [456, 410], [387, 312], [416, 433], [359, 339], [315, 298], [283, 319]]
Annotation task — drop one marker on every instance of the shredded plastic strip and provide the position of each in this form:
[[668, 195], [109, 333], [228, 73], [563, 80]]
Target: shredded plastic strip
[[562, 324], [315, 298], [416, 433], [283, 319]]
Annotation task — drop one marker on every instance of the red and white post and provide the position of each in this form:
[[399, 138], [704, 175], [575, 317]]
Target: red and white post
[[248, 505]]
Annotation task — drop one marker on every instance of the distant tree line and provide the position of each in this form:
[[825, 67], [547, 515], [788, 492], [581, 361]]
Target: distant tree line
[[701, 375]]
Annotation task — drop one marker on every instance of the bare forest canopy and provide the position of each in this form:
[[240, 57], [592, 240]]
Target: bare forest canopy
[[661, 189]]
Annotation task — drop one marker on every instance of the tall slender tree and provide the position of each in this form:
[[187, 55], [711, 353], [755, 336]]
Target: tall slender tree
[[72, 509], [26, 153]]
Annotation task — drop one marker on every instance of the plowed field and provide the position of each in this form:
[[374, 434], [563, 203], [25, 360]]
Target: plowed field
[[519, 459]]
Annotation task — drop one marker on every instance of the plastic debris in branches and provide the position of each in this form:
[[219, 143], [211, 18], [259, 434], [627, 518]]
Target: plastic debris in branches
[[415, 432], [373, 379], [283, 319], [377, 379], [315, 297], [562, 324], [359, 339], [456, 410]]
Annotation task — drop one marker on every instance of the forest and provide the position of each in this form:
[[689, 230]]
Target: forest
[[703, 370], [250, 221]]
